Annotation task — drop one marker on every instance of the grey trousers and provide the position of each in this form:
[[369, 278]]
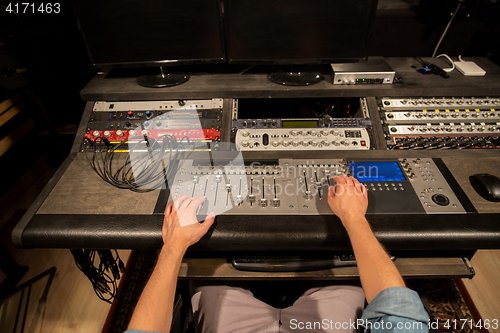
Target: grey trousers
[[225, 309]]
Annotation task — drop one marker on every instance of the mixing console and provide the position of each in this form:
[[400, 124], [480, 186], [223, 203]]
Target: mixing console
[[300, 187], [441, 123]]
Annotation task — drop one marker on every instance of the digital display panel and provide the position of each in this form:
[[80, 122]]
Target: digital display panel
[[377, 171], [299, 123]]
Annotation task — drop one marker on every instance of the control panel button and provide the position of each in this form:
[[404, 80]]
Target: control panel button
[[265, 139]]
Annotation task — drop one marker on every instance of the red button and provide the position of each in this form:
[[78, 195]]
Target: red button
[[363, 143]]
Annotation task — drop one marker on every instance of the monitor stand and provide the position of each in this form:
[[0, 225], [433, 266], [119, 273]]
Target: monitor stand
[[296, 77], [162, 80]]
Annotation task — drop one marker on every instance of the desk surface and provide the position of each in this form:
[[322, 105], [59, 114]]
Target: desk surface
[[78, 210], [102, 88]]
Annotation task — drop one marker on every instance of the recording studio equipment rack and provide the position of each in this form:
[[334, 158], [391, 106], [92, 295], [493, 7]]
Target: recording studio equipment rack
[[345, 129], [441, 123], [195, 121]]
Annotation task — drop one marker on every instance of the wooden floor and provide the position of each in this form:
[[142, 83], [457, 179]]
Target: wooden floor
[[484, 288], [73, 307]]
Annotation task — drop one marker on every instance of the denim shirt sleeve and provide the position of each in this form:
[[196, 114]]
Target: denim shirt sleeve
[[396, 309]]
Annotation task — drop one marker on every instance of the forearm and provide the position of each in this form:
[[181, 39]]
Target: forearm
[[155, 307], [376, 269]]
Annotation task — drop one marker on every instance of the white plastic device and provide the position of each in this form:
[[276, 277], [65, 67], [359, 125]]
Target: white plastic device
[[469, 68]]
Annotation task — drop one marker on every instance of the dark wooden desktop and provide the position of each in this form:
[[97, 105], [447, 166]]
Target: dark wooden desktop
[[78, 210]]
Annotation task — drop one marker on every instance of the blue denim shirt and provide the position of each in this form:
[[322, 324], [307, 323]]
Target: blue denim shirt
[[396, 309]]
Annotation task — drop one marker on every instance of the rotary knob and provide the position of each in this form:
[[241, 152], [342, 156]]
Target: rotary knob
[[286, 143], [275, 143], [119, 133], [244, 144], [295, 143], [107, 134], [313, 133], [294, 132], [335, 133], [335, 143], [245, 134], [314, 143], [305, 143], [131, 133], [144, 133], [96, 134], [325, 143], [324, 132]]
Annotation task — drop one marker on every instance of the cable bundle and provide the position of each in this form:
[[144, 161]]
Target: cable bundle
[[104, 276], [145, 172]]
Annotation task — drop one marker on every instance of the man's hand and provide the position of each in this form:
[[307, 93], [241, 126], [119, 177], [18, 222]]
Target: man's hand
[[349, 200], [181, 229], [180, 226]]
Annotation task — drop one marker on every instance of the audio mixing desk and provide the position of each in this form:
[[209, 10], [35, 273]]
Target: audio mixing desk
[[264, 157]]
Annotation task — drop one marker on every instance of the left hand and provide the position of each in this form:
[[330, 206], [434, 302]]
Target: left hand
[[180, 236]]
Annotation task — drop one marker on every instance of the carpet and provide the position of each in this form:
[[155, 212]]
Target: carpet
[[448, 305]]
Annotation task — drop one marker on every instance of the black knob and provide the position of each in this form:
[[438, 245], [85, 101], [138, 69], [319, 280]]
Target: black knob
[[441, 199]]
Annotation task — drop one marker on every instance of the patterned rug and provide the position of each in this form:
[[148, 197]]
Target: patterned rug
[[448, 309]]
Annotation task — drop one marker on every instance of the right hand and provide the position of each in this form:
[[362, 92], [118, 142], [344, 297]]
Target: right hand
[[349, 200]]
